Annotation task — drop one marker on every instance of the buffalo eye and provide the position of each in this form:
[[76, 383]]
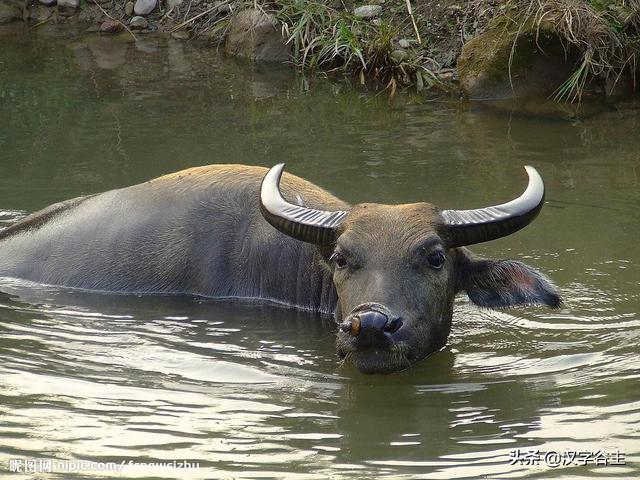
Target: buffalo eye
[[436, 260], [338, 259]]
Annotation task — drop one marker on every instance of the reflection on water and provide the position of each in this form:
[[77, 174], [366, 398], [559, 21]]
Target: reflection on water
[[248, 390]]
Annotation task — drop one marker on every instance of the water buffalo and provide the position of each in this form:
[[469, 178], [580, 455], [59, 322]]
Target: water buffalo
[[388, 273]]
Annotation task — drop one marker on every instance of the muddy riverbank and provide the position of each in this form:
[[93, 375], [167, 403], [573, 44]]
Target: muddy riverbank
[[563, 50]]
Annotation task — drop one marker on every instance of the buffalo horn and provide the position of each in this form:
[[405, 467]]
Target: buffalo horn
[[466, 227], [302, 223]]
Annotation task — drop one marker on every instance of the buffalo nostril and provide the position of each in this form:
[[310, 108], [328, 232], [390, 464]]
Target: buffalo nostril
[[393, 326], [355, 326], [352, 326]]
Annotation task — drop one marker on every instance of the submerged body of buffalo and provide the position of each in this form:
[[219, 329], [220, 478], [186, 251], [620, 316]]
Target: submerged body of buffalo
[[196, 232], [389, 273]]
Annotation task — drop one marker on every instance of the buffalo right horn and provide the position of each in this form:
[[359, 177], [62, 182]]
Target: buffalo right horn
[[302, 223], [466, 227]]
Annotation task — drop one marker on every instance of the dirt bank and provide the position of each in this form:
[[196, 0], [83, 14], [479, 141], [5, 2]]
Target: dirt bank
[[484, 49]]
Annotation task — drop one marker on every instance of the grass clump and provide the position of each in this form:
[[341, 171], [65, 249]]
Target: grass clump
[[598, 30], [417, 42], [320, 34], [604, 33], [327, 36]]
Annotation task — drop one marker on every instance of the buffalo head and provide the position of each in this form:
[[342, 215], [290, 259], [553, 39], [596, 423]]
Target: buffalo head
[[397, 268]]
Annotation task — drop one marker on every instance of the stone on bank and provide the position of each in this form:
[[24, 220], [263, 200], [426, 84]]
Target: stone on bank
[[138, 23], [69, 4], [501, 64], [256, 35], [368, 11], [111, 26], [144, 7]]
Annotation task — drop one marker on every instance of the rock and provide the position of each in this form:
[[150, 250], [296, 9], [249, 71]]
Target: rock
[[368, 11], [138, 23], [404, 43], [539, 65], [144, 7], [48, 3], [40, 13], [9, 11], [128, 9], [69, 4], [171, 4], [256, 35], [111, 26]]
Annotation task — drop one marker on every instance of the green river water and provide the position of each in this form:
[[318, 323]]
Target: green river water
[[254, 391]]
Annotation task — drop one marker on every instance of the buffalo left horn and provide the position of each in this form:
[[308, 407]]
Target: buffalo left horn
[[302, 223], [466, 227]]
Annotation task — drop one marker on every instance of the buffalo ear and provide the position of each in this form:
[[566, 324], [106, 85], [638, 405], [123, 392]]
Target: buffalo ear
[[504, 283]]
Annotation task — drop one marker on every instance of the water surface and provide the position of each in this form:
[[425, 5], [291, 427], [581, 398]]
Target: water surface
[[255, 391]]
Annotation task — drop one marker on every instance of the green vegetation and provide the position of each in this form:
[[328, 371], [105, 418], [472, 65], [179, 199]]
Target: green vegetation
[[417, 42], [604, 33], [327, 38], [393, 48]]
